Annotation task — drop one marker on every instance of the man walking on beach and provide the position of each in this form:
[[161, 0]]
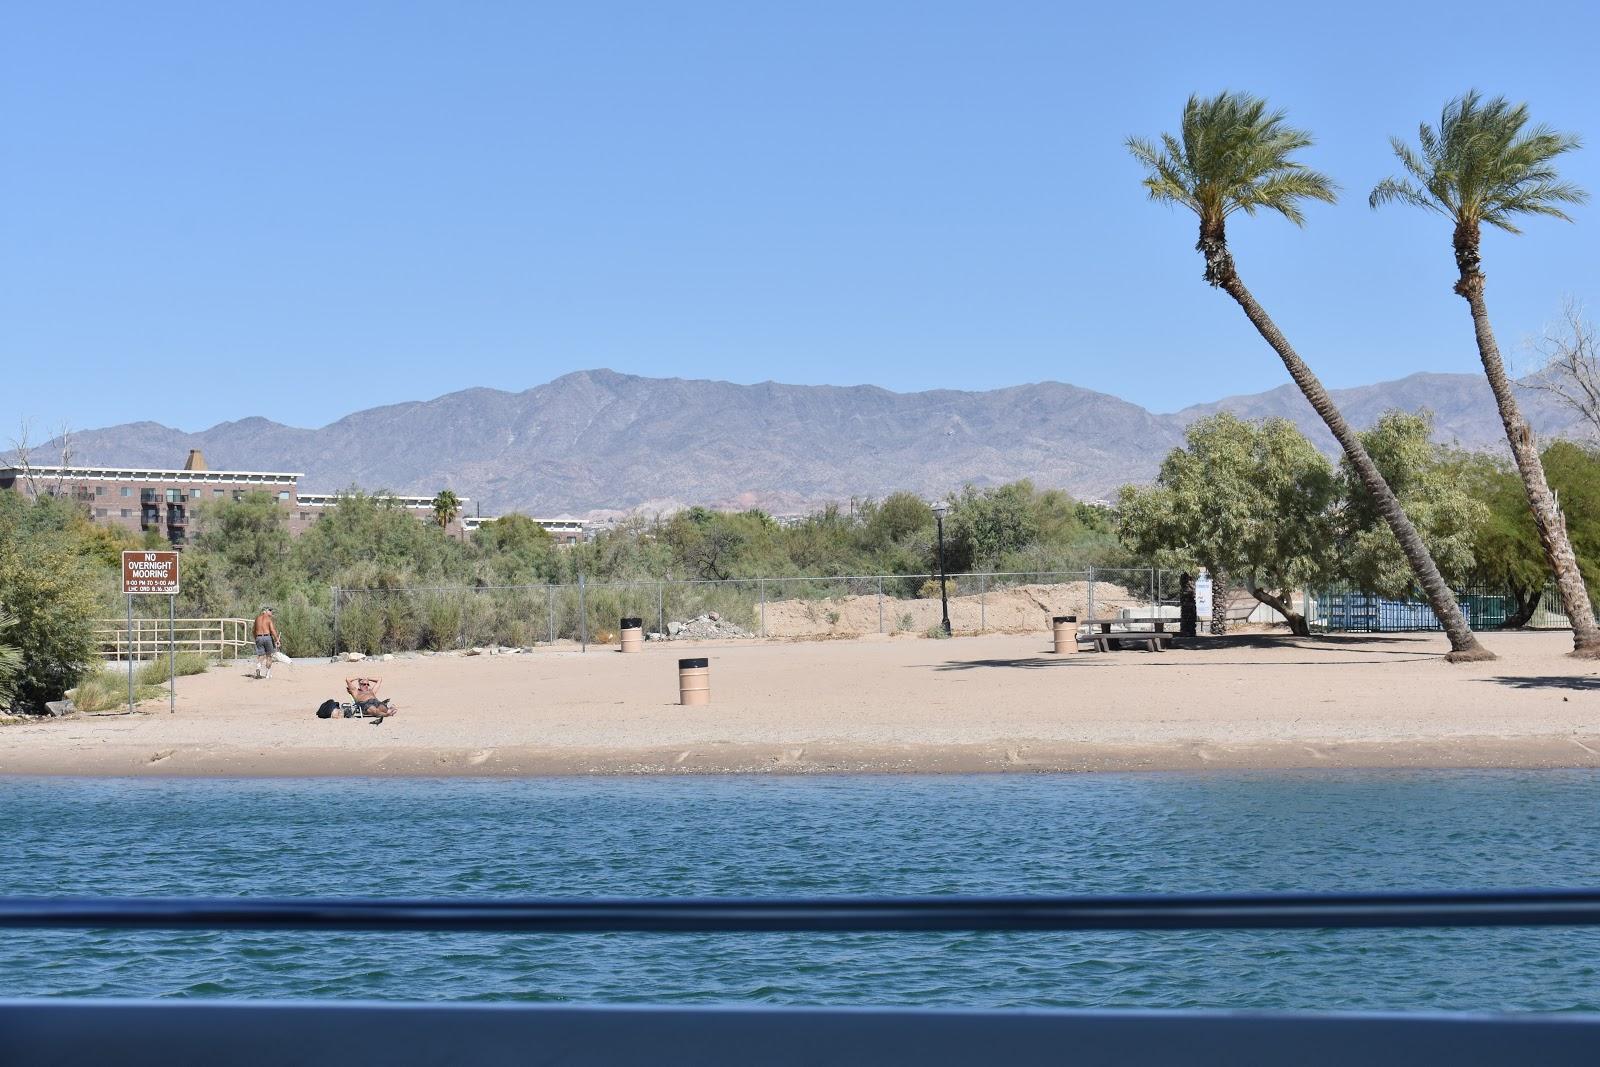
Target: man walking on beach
[[267, 642]]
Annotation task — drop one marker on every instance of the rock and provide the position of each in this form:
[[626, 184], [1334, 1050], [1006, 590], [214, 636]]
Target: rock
[[387, 657], [674, 628], [58, 708], [655, 637], [713, 616], [473, 652], [354, 657]]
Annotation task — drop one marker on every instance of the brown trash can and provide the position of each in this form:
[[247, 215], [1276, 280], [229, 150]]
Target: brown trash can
[[1065, 631], [632, 631], [694, 682]]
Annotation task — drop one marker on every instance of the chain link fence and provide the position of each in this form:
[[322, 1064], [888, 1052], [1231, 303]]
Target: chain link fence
[[374, 621], [447, 617]]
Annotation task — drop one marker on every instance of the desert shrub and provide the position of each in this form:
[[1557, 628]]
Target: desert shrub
[[306, 625], [102, 689], [906, 622], [155, 672], [936, 631], [49, 584]]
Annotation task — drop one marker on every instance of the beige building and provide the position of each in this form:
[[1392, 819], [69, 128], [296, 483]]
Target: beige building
[[139, 499]]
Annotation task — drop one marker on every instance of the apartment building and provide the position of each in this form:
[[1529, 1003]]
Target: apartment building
[[138, 499]]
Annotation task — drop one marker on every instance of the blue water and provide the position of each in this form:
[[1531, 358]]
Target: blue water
[[862, 835]]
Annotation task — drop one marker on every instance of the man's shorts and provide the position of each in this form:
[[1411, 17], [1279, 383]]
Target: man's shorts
[[264, 645]]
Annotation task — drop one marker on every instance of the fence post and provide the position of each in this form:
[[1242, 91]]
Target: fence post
[[1091, 596], [550, 596], [333, 591], [762, 584], [1153, 611], [662, 590], [583, 616], [983, 603], [880, 603]]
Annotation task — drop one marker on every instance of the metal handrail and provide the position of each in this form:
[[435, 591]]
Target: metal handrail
[[1279, 911]]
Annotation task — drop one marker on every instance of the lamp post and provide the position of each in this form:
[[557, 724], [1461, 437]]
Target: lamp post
[[939, 510]]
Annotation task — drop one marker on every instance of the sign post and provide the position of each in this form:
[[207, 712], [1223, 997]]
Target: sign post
[[153, 574], [1202, 597]]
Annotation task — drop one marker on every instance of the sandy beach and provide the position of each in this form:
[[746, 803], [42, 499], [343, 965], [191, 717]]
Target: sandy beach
[[888, 705]]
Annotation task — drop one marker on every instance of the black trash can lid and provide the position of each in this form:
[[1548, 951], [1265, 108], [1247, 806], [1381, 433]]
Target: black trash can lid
[[1063, 618], [691, 664], [631, 623]]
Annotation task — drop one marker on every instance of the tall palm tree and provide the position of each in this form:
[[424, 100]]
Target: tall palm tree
[[1484, 165], [1234, 155], [446, 506]]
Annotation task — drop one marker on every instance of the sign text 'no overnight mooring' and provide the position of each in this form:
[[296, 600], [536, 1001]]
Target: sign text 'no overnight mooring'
[[152, 573]]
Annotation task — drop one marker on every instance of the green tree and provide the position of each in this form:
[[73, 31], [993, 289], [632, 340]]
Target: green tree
[[987, 524], [1506, 550], [1483, 165], [245, 544], [10, 662], [1428, 485], [48, 583], [446, 506], [1253, 501], [1233, 155]]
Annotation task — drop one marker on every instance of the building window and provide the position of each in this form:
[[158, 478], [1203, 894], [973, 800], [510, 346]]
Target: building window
[[99, 490], [217, 492], [100, 513], [125, 513], [173, 496], [127, 491], [283, 497]]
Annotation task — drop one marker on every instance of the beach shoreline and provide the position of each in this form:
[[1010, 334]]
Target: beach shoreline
[[991, 704]]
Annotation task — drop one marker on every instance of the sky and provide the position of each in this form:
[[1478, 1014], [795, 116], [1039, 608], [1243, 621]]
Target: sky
[[302, 209]]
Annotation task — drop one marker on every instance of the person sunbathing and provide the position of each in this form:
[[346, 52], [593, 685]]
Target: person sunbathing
[[364, 691]]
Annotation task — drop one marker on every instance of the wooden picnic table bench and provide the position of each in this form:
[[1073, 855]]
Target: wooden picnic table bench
[[1157, 622], [1108, 640]]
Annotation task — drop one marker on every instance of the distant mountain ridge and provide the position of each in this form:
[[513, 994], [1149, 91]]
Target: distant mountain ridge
[[598, 440]]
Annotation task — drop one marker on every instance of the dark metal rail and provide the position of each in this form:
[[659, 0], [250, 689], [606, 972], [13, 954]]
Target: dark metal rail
[[1284, 911]]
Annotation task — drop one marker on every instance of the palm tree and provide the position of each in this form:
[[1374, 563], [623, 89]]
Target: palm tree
[[446, 506], [1483, 165], [1234, 155]]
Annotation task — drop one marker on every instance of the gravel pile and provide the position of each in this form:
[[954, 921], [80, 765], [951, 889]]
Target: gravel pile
[[708, 627]]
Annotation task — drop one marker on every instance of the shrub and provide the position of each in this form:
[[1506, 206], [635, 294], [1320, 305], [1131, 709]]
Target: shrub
[[103, 689], [48, 585], [154, 673], [936, 631]]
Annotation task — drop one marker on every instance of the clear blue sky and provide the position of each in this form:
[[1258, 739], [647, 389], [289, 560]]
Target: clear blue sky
[[301, 209]]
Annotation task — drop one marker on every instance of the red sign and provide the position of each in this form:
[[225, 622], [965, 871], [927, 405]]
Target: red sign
[[150, 573]]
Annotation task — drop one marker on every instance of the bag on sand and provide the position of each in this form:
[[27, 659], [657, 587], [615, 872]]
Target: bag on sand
[[279, 657], [327, 709]]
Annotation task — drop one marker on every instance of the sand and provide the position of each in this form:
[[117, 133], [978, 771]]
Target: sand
[[890, 704]]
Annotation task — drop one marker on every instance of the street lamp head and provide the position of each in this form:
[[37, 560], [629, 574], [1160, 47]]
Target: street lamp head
[[941, 508]]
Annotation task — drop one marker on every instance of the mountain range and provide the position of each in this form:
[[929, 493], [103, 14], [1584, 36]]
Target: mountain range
[[598, 441]]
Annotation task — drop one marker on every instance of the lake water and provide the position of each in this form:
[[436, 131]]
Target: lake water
[[781, 836]]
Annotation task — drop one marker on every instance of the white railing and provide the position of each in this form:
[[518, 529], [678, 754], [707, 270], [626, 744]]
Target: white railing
[[220, 638]]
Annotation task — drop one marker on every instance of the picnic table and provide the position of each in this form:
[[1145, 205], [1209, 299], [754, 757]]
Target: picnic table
[[1102, 638]]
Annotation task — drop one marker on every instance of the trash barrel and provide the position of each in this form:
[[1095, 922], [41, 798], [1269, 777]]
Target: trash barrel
[[694, 681], [632, 631], [1065, 630]]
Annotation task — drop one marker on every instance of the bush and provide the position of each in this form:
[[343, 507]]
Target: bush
[[48, 584], [103, 689], [154, 673]]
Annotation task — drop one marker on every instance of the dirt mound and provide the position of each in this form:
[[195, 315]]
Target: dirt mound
[[1012, 609]]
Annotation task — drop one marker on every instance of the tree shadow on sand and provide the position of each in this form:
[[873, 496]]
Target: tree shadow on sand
[[1579, 683], [1354, 644]]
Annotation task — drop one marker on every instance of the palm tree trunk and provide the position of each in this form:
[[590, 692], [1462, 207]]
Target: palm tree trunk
[[1464, 646], [1547, 517]]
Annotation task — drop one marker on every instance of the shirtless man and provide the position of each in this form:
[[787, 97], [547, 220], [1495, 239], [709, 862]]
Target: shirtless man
[[364, 691], [267, 642]]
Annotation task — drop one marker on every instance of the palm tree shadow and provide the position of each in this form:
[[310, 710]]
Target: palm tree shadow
[[1024, 662], [1578, 683]]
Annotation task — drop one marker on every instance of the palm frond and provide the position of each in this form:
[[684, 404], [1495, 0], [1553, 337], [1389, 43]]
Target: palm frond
[[1232, 154], [1482, 164]]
